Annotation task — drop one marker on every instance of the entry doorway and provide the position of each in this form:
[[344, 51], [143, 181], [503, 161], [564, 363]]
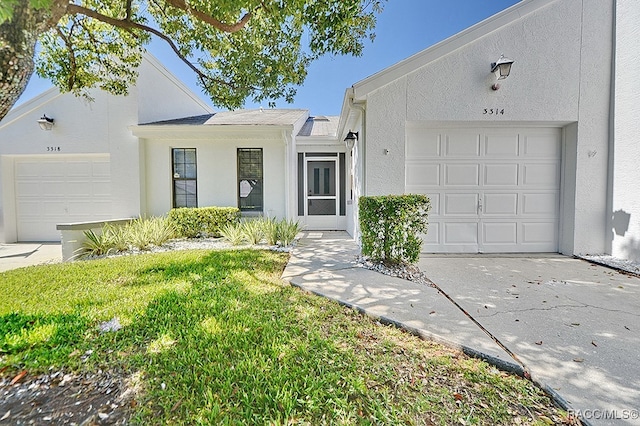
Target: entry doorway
[[322, 192]]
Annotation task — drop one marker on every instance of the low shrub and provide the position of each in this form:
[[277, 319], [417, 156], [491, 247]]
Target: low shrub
[[391, 225], [192, 222]]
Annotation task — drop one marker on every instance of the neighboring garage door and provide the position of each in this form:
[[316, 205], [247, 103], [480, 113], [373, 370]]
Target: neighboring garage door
[[61, 189], [492, 190]]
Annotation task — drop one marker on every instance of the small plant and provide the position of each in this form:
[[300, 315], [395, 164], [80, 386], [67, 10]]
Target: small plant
[[287, 231], [96, 244], [154, 231], [253, 231], [119, 236], [270, 229], [233, 233]]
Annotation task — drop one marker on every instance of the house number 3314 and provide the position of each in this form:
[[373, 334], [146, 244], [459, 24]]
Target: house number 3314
[[493, 111]]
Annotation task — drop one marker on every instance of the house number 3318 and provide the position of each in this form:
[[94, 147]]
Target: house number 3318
[[493, 111], [53, 148]]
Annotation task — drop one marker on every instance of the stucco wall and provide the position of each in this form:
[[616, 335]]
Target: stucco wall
[[625, 229], [163, 97], [217, 171], [80, 127], [561, 75]]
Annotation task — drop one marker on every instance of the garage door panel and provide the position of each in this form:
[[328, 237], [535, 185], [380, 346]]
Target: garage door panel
[[420, 174], [79, 169], [425, 145], [500, 204], [540, 203], [64, 189], [500, 233], [461, 204], [460, 233], [501, 175], [53, 209], [462, 144], [433, 234], [435, 204], [50, 188], [501, 145], [539, 232], [102, 188], [543, 145], [101, 169], [544, 174], [461, 174]]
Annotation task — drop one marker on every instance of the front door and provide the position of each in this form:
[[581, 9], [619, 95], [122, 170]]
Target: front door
[[322, 194]]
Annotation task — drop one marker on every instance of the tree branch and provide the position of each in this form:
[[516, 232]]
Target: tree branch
[[72, 58], [131, 25], [227, 28]]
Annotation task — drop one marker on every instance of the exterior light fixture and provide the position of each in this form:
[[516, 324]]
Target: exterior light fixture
[[45, 123], [350, 140], [501, 68]]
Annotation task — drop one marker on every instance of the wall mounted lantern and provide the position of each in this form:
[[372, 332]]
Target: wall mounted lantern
[[501, 68], [350, 140], [45, 123]]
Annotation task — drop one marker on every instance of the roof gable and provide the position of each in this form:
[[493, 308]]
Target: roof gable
[[438, 50]]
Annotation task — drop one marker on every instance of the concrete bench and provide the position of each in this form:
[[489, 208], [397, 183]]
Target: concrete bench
[[73, 234]]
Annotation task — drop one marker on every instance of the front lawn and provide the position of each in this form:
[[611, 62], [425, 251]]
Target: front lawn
[[216, 337]]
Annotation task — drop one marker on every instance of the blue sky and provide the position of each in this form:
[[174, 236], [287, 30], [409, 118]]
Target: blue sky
[[405, 27]]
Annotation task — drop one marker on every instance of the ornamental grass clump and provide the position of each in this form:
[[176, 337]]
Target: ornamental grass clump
[[253, 231], [232, 232], [287, 231], [141, 233]]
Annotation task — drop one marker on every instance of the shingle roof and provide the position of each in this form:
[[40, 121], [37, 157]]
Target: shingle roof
[[196, 120], [272, 117], [320, 126], [243, 117]]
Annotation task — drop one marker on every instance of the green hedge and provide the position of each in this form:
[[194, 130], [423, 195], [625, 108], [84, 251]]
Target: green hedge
[[191, 222], [391, 225]]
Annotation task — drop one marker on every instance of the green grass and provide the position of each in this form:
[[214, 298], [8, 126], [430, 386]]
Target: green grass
[[217, 337]]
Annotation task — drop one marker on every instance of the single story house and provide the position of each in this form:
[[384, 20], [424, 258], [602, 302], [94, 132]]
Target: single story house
[[541, 161]]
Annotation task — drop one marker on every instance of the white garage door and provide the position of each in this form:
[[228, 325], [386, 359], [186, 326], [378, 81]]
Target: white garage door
[[491, 190], [59, 189]]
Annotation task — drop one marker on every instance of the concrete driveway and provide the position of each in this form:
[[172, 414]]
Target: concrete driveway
[[19, 255], [575, 325]]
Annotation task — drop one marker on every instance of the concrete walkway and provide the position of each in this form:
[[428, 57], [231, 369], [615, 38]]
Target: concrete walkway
[[574, 326], [19, 255]]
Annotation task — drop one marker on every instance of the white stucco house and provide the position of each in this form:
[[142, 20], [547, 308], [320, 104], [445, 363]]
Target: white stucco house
[[546, 163]]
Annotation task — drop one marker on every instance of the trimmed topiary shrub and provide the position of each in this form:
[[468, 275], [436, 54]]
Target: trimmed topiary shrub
[[391, 226], [192, 222]]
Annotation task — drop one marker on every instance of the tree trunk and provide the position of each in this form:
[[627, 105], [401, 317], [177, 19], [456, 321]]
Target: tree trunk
[[18, 39]]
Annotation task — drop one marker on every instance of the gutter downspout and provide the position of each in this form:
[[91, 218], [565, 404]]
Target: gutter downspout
[[360, 106], [361, 141], [609, 234]]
